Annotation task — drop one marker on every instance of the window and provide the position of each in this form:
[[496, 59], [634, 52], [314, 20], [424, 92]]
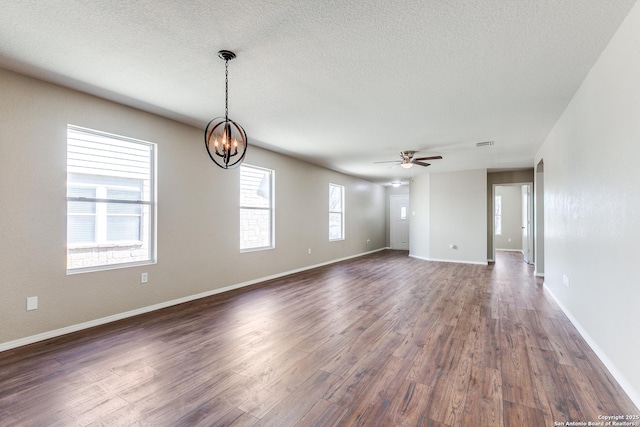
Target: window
[[497, 226], [110, 200], [336, 212], [256, 208]]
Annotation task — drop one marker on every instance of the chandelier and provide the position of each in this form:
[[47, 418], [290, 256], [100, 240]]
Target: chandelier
[[225, 140]]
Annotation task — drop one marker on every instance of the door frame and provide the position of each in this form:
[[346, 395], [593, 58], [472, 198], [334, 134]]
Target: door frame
[[493, 211], [539, 219], [391, 221], [528, 251]]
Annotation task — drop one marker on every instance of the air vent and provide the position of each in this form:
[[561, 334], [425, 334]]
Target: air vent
[[484, 144]]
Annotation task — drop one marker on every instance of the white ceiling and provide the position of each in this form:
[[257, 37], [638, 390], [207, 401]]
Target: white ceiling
[[338, 83]]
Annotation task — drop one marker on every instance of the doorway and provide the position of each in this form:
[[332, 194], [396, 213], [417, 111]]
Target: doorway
[[399, 222], [513, 219], [539, 215]]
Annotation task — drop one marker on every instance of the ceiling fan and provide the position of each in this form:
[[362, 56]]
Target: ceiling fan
[[407, 160]]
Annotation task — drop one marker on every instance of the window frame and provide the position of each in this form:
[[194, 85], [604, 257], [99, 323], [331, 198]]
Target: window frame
[[341, 212], [101, 206], [270, 209]]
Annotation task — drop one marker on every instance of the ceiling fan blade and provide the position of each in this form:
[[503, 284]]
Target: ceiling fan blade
[[421, 164], [390, 161], [429, 158]]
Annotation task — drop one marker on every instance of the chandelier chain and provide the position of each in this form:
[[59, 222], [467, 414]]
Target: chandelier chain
[[225, 140], [226, 89]]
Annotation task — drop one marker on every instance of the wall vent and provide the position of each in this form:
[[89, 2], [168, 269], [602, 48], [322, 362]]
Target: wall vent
[[484, 144]]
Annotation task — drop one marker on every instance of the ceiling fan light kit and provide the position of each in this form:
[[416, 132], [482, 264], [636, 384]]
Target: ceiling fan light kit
[[225, 140], [407, 160]]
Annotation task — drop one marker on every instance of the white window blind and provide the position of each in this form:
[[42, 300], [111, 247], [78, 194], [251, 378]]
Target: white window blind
[[256, 208], [336, 212], [110, 200]]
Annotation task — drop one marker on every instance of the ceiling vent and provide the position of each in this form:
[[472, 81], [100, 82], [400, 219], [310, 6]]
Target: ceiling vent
[[484, 144]]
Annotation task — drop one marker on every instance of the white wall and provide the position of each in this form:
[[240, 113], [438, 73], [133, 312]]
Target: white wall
[[592, 206], [511, 237], [198, 229], [450, 209]]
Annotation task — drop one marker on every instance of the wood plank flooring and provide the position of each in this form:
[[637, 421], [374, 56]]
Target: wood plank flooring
[[382, 340]]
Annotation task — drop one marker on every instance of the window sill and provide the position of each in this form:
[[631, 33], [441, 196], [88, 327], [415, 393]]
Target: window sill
[[263, 248], [128, 244], [109, 267]]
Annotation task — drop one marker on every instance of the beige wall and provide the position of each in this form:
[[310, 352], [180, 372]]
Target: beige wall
[[458, 210], [197, 214], [592, 205], [449, 209], [419, 217]]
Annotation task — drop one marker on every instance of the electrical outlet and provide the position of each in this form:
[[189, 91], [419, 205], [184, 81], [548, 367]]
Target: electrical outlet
[[309, 251], [452, 246], [32, 303], [368, 241], [144, 278], [565, 280]]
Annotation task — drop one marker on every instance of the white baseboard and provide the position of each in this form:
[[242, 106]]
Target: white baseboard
[[633, 394], [510, 250], [535, 273], [457, 261], [97, 322]]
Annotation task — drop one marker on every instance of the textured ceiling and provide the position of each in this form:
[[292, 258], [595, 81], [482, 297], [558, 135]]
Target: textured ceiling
[[341, 84]]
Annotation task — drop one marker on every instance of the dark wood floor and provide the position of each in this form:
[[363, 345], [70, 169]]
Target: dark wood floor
[[382, 340]]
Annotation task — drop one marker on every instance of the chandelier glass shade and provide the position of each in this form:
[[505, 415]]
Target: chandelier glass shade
[[225, 140]]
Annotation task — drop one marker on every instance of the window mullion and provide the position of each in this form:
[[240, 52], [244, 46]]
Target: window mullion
[[101, 216]]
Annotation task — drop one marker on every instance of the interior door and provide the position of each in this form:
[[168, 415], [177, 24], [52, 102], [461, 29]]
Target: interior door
[[527, 240], [399, 222]]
